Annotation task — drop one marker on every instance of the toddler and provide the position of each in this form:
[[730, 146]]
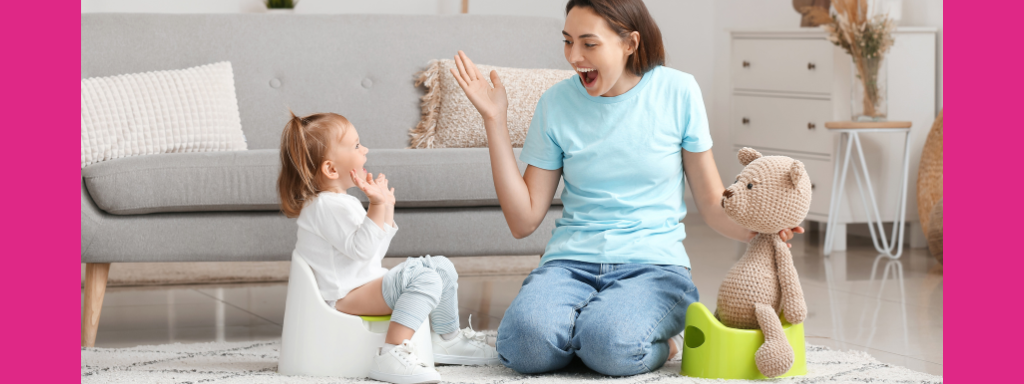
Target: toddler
[[321, 158]]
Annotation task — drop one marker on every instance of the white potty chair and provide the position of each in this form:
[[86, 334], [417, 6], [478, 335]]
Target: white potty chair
[[317, 340]]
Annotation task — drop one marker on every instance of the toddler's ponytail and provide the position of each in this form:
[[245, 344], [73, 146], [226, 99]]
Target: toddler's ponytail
[[303, 147]]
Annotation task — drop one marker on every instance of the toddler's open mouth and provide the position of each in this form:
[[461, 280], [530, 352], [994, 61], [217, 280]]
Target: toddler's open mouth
[[588, 75]]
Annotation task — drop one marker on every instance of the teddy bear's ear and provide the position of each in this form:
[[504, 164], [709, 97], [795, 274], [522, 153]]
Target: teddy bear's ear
[[796, 173], [748, 155]]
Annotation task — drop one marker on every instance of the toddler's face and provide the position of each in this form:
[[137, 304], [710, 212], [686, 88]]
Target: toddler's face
[[347, 154]]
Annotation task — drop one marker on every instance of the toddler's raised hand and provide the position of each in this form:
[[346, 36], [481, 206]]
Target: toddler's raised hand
[[389, 194], [370, 188]]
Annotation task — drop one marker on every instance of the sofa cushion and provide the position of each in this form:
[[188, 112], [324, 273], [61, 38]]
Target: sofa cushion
[[449, 120], [185, 182], [185, 110], [247, 180]]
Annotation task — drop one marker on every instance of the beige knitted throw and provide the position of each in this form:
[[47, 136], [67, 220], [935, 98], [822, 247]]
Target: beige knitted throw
[[449, 120], [772, 193]]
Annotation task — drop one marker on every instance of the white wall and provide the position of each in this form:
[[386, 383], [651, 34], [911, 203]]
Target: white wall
[[543, 8], [695, 31], [926, 13], [172, 6], [407, 7]]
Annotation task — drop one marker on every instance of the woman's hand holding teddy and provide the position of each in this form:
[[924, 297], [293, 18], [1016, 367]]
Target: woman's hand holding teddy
[[786, 235]]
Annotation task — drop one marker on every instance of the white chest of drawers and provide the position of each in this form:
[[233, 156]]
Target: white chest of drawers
[[785, 84]]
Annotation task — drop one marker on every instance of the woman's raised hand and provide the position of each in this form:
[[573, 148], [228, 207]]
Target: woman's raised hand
[[490, 101]]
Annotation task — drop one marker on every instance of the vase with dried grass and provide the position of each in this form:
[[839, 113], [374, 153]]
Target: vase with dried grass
[[867, 39]]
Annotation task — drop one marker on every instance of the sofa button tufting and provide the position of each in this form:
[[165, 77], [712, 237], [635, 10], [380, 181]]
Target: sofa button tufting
[[367, 83], [275, 83]]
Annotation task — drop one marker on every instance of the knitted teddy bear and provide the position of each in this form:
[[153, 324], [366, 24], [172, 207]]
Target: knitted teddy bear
[[772, 193]]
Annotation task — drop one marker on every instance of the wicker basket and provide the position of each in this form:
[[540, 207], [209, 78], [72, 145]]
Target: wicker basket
[[935, 232], [929, 176]]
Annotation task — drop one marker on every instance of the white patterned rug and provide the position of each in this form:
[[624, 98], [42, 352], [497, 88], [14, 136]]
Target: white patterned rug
[[256, 362]]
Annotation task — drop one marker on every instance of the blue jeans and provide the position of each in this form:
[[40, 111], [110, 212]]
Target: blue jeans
[[616, 317]]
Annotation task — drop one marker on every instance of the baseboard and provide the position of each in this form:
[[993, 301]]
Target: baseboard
[[143, 274]]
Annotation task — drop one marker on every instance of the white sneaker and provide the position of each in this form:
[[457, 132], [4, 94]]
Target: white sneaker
[[467, 348], [400, 365]]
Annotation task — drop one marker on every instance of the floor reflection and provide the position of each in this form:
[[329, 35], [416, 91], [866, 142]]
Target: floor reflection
[[892, 270]]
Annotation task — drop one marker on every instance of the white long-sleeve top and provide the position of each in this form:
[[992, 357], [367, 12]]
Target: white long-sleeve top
[[342, 245]]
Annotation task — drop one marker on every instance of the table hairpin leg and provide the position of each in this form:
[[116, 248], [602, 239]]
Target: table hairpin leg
[[850, 138], [838, 183]]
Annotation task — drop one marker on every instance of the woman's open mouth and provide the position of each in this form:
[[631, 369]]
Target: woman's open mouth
[[588, 75]]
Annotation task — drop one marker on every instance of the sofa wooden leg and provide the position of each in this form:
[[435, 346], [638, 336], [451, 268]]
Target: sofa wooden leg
[[95, 287]]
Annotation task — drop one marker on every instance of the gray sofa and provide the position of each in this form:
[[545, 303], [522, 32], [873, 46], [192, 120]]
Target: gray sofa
[[222, 206]]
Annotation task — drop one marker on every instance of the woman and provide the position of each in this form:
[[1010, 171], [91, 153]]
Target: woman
[[614, 283]]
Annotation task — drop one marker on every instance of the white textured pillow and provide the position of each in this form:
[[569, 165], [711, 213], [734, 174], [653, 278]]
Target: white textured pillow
[[186, 110], [449, 119]]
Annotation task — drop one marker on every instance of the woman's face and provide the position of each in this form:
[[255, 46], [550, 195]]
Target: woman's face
[[597, 53]]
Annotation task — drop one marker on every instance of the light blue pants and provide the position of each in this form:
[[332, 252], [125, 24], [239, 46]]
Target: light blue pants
[[617, 318], [421, 287]]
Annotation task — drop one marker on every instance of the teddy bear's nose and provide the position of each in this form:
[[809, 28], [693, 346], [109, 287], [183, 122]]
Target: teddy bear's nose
[[727, 193]]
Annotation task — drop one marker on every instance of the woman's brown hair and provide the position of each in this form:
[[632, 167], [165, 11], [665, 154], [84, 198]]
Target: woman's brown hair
[[625, 17], [304, 145]]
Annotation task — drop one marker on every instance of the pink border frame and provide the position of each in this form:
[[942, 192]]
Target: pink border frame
[[43, 325], [983, 142], [41, 217]]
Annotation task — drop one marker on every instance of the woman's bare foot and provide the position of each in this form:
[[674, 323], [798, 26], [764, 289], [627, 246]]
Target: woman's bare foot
[[675, 345]]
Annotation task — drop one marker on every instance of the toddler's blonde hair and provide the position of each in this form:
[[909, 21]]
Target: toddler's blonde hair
[[304, 144]]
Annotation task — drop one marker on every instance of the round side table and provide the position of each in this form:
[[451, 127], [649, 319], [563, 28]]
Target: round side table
[[849, 131]]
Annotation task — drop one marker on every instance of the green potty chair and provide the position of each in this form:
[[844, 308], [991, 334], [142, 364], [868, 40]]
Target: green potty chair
[[713, 351]]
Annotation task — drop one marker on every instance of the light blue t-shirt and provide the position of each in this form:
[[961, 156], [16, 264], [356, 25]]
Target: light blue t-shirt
[[622, 165]]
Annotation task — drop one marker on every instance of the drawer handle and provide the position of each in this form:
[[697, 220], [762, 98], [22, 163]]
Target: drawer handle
[[811, 66], [746, 64], [814, 186], [810, 125], [746, 121]]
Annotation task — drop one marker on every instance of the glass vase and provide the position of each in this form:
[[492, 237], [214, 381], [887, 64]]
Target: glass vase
[[869, 99]]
